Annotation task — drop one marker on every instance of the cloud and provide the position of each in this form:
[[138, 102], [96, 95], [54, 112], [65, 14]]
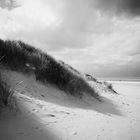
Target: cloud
[[135, 51], [8, 4], [49, 24], [119, 7]]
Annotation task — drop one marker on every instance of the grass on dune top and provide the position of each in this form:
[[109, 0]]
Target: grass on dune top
[[24, 58]]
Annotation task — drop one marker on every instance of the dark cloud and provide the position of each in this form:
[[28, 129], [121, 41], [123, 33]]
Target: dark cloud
[[8, 4], [130, 70], [119, 7]]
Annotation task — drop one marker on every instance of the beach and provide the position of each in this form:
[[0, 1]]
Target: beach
[[46, 113]]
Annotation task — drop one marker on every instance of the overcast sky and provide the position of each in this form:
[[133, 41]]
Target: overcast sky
[[100, 37]]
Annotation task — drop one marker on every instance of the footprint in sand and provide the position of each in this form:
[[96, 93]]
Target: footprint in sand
[[51, 115]]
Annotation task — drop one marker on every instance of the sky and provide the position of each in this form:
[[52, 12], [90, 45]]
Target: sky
[[99, 37]]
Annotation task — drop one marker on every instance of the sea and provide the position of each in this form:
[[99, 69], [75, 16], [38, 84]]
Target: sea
[[127, 79]]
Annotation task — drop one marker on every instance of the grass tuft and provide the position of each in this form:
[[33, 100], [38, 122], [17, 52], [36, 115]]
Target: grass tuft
[[110, 87], [5, 93]]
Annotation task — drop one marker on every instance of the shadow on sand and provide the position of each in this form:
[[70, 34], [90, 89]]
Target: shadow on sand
[[23, 125]]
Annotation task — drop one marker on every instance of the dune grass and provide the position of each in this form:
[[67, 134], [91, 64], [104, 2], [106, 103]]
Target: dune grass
[[22, 57], [5, 92], [110, 87]]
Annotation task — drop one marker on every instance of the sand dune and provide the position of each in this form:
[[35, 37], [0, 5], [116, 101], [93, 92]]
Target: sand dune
[[45, 113]]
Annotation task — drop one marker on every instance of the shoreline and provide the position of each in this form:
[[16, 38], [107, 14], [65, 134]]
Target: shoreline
[[121, 81], [118, 79]]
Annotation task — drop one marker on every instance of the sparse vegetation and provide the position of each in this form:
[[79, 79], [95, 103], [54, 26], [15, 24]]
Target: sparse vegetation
[[109, 86], [90, 78], [22, 57], [5, 92]]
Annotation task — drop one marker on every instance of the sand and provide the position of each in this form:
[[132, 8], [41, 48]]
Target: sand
[[46, 113]]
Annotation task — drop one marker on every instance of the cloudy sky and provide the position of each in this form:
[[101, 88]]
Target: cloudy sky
[[100, 37]]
